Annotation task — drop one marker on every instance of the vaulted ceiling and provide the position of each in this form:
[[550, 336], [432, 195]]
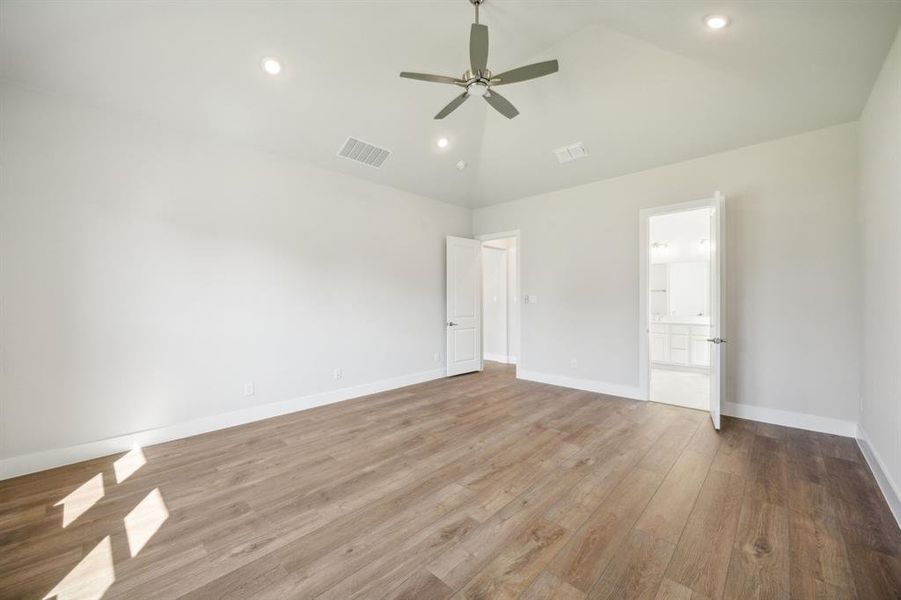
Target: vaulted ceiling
[[641, 84]]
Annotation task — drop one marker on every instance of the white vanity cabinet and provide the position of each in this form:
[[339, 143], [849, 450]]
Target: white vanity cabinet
[[682, 344]]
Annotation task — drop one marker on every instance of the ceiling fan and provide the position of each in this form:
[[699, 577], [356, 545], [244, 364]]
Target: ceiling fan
[[478, 80]]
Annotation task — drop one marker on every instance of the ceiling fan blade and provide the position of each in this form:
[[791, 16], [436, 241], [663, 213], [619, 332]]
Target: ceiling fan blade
[[501, 104], [525, 73], [456, 102], [432, 78], [478, 47]]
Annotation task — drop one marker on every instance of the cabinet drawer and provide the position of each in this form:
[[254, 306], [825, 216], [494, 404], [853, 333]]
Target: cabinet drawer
[[700, 330], [678, 342], [682, 329], [658, 328]]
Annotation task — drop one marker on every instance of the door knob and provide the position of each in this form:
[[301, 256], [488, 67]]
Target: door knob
[[716, 340], [450, 323]]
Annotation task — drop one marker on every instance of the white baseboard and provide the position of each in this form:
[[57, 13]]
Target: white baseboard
[[890, 488], [39, 461], [744, 411], [501, 358], [588, 385], [791, 419]]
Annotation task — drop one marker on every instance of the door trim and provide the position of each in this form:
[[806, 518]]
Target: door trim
[[644, 266]]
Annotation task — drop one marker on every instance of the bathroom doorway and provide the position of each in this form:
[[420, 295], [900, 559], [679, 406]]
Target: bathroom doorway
[[679, 307]]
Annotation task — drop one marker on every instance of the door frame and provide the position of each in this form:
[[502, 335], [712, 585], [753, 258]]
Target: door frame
[[644, 270], [500, 235]]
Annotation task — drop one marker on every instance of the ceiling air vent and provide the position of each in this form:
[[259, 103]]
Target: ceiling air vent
[[362, 152], [570, 153]]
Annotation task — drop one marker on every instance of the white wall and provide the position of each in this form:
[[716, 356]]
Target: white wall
[[880, 195], [147, 276], [494, 303], [793, 289]]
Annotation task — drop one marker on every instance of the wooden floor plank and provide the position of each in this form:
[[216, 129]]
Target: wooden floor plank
[[549, 587], [819, 558], [636, 570], [760, 558], [668, 511], [582, 561], [701, 559]]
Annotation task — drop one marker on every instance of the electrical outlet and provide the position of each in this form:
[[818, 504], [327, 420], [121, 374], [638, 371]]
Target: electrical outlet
[[249, 389], [337, 373], [436, 357], [573, 363]]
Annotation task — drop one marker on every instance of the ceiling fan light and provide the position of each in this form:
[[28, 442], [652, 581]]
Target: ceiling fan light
[[477, 89]]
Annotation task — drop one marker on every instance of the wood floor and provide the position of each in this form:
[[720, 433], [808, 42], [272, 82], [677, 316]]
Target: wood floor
[[479, 486]]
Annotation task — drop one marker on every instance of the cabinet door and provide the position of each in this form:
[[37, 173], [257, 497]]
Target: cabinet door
[[658, 347], [678, 347], [700, 351]]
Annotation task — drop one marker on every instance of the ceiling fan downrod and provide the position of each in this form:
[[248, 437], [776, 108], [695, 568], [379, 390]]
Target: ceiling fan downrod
[[477, 3]]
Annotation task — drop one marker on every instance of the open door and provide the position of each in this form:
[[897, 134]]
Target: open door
[[464, 305], [717, 307]]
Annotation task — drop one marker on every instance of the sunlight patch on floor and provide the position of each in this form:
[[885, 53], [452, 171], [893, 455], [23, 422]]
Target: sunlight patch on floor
[[144, 520], [127, 464], [90, 578], [84, 497]]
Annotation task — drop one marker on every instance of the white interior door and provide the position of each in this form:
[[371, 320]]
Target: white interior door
[[464, 305], [717, 339]]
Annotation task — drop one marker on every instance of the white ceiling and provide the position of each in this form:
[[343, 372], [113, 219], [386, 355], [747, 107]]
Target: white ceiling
[[641, 84]]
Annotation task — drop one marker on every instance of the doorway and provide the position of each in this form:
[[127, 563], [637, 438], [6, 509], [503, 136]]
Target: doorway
[[679, 308], [681, 335], [500, 298]]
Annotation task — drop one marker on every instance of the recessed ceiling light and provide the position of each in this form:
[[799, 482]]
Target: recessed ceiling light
[[442, 142], [271, 66], [716, 21]]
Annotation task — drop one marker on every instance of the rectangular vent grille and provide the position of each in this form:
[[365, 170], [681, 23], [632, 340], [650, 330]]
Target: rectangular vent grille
[[362, 152], [570, 153]]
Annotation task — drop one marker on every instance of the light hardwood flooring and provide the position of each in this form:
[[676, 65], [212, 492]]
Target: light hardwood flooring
[[479, 486]]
